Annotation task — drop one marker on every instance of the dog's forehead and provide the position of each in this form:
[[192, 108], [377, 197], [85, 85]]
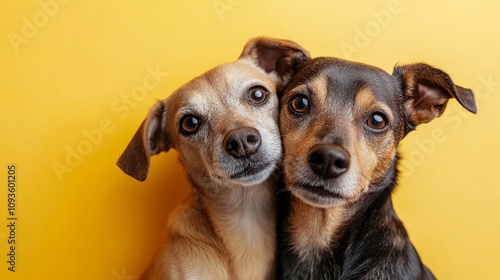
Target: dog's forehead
[[340, 81], [221, 88], [239, 75]]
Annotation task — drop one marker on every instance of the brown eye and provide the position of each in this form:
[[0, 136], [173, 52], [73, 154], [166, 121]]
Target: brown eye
[[300, 104], [189, 125], [377, 121], [258, 95]]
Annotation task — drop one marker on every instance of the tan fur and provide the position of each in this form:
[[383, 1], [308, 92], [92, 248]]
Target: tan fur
[[227, 228], [319, 86], [244, 251], [312, 227], [376, 154], [229, 234]]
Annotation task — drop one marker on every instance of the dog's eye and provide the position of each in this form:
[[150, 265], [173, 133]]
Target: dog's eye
[[377, 121], [189, 124], [300, 104], [258, 94]]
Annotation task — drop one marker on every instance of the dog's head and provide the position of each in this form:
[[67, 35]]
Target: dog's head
[[341, 124], [223, 123]]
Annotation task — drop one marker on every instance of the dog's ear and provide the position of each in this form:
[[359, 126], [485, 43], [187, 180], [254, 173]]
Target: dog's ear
[[281, 57], [426, 92], [151, 138]]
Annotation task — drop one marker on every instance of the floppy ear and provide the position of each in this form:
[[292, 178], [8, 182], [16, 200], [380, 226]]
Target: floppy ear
[[281, 57], [426, 91], [150, 139]]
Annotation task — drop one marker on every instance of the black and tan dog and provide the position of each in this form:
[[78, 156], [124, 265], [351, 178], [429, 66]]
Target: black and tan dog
[[341, 124], [224, 126]]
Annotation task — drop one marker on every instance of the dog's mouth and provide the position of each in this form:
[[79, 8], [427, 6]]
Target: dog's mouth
[[250, 170], [320, 191], [317, 196]]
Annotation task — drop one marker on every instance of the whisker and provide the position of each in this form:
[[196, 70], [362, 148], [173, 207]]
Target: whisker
[[174, 164], [283, 190]]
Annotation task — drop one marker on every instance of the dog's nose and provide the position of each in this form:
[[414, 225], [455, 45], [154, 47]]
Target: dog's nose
[[242, 142], [328, 161]]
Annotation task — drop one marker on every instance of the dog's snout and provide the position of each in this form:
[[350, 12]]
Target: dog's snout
[[242, 142], [328, 161]]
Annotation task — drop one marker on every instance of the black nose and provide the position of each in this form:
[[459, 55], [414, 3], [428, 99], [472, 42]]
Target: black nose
[[242, 142], [328, 161]]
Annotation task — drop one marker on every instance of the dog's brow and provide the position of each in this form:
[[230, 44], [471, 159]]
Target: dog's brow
[[254, 82], [343, 87], [244, 75], [366, 100], [320, 88], [304, 89], [196, 103]]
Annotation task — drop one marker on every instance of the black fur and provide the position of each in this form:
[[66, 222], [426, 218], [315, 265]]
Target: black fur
[[362, 251], [370, 242]]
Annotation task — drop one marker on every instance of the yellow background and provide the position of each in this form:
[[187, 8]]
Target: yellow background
[[75, 76]]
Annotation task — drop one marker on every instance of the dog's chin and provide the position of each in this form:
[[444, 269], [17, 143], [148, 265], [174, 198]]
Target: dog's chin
[[245, 177], [317, 196], [253, 176]]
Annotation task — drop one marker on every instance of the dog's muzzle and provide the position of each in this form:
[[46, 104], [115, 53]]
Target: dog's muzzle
[[242, 142], [249, 163], [328, 161]]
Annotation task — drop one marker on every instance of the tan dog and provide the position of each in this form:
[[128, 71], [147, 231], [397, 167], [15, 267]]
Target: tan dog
[[224, 126]]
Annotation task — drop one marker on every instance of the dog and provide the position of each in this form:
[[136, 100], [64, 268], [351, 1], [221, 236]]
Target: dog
[[224, 126], [341, 123]]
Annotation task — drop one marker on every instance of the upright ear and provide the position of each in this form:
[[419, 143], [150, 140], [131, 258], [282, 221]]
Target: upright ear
[[426, 92], [281, 57], [150, 139]]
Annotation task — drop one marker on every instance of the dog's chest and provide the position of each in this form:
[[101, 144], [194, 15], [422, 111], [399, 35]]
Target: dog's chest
[[253, 249], [308, 243], [247, 230], [318, 266]]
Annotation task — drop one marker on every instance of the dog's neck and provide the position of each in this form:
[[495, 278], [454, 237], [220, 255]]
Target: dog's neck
[[238, 205], [244, 219], [313, 229]]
